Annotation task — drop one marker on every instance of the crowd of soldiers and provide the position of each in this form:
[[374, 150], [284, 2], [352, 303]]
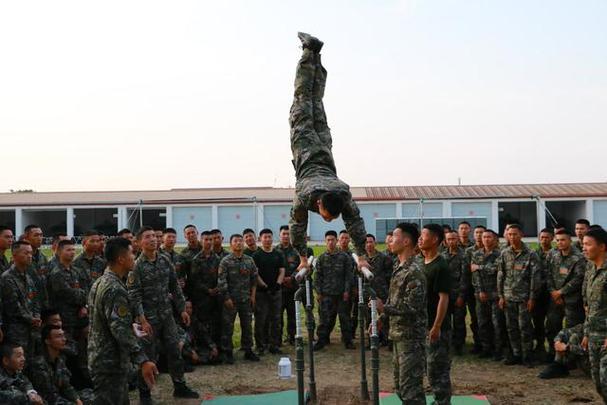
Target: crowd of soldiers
[[174, 310]]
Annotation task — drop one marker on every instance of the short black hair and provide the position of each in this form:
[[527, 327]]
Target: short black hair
[[410, 230], [115, 247], [47, 330], [205, 233], [333, 202], [446, 227], [370, 235], [4, 228], [248, 230], [17, 245], [124, 231], [436, 230], [57, 236], [547, 230], [389, 233], [234, 235], [516, 226], [557, 226], [29, 228], [463, 223], [7, 350], [266, 231], [491, 231], [91, 232], [215, 231], [564, 232], [169, 230], [330, 233], [598, 234], [343, 231], [583, 221], [47, 313], [483, 227], [283, 228], [189, 226], [143, 229], [65, 242]]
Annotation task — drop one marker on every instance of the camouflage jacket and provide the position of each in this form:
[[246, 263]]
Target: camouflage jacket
[[203, 276], [484, 279], [466, 285], [52, 380], [171, 254], [184, 260], [573, 337], [236, 277], [333, 273], [90, 269], [518, 273], [457, 266], [566, 273], [153, 289], [14, 388], [112, 344], [381, 267], [307, 191], [66, 294], [292, 259], [20, 301], [38, 271], [596, 299], [4, 263], [222, 253], [407, 302]]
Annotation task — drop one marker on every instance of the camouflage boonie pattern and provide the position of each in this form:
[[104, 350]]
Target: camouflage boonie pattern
[[39, 271], [518, 274], [333, 273], [90, 268], [184, 260], [575, 356], [52, 381], [67, 295], [311, 145], [14, 388], [459, 281], [381, 267]]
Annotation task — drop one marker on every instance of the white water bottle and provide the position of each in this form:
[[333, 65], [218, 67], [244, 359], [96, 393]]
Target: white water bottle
[[284, 368]]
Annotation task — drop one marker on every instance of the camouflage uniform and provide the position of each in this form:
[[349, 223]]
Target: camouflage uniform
[[459, 281], [20, 306], [407, 308], [352, 304], [237, 275], [491, 320], [575, 356], [250, 252], [207, 309], [183, 261], [4, 263], [595, 326], [112, 344], [52, 381], [221, 253], [14, 388], [311, 145], [38, 271], [381, 266], [468, 291], [565, 273], [67, 296], [517, 281], [542, 302], [90, 268], [171, 254], [333, 279], [288, 289], [152, 285]]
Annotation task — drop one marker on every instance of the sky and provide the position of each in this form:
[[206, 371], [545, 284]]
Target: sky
[[128, 95]]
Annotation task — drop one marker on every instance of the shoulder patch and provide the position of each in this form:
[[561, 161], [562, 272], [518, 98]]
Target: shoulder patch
[[123, 311], [130, 278]]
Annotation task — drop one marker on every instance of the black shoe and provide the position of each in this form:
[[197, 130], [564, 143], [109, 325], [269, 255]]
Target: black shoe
[[261, 352], [145, 398], [227, 358], [310, 42], [291, 340], [183, 391], [485, 354], [476, 350], [554, 370], [249, 355], [458, 350], [513, 360], [528, 361], [188, 368], [498, 357], [349, 346], [275, 350], [319, 346]]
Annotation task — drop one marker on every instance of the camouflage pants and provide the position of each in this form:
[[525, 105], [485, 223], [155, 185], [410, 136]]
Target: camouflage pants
[[457, 318], [330, 307], [539, 314], [471, 304], [209, 313], [491, 325], [243, 309], [572, 313], [520, 330], [598, 364], [288, 306], [409, 362], [439, 367], [307, 118], [165, 339], [110, 388], [268, 306]]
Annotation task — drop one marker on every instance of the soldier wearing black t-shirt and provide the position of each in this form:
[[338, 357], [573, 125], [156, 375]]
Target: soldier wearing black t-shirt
[[439, 287], [268, 303]]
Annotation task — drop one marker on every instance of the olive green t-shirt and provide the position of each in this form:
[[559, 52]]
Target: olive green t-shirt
[[439, 281]]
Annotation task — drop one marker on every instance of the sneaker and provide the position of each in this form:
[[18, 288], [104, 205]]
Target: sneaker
[[183, 391], [513, 360], [554, 370], [310, 42], [249, 355]]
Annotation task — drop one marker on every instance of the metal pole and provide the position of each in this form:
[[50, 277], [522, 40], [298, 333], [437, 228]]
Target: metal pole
[[140, 213], [310, 323], [364, 386], [299, 362], [374, 346]]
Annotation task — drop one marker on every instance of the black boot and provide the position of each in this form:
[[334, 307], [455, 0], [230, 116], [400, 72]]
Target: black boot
[[310, 42], [249, 355], [183, 391], [319, 345], [145, 397], [227, 357], [528, 360], [554, 370], [513, 360]]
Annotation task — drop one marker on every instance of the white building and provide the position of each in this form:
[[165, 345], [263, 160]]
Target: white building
[[233, 209]]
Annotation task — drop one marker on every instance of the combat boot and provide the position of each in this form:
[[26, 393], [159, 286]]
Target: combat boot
[[249, 355], [145, 397], [319, 345], [554, 370], [310, 42], [513, 360], [227, 357], [181, 390]]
